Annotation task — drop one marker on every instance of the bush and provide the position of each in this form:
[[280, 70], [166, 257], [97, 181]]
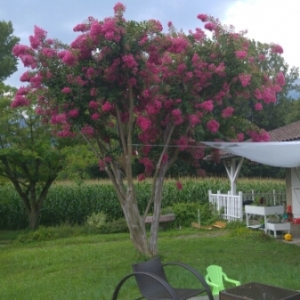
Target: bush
[[186, 213]]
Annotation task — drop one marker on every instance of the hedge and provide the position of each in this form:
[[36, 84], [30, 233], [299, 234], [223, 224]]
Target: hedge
[[73, 203]]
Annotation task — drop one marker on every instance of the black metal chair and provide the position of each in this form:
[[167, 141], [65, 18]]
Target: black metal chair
[[153, 284]]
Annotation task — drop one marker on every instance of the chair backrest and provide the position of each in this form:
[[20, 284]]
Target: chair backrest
[[215, 274], [146, 284]]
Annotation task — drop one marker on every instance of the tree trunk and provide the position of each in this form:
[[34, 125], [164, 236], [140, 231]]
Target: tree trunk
[[157, 209], [136, 226], [34, 217]]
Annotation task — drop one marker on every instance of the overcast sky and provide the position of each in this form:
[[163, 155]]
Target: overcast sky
[[268, 21]]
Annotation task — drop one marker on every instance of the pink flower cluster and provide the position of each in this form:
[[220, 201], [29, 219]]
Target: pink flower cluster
[[144, 123], [213, 126], [245, 79]]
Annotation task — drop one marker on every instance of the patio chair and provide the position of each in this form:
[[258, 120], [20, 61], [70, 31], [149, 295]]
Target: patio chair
[[153, 283], [215, 278]]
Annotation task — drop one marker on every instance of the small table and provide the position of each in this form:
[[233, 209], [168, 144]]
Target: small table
[[258, 291], [278, 227]]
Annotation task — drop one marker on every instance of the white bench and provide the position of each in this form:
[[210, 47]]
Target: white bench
[[279, 227]]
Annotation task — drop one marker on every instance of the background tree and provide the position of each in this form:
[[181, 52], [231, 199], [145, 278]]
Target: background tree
[[134, 92], [8, 62], [29, 156]]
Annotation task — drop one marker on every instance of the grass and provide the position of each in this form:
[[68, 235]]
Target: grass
[[90, 266]]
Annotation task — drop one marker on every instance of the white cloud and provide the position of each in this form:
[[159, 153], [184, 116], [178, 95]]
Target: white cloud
[[270, 21]]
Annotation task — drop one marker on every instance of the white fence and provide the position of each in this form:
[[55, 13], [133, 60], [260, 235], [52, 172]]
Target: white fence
[[231, 206]]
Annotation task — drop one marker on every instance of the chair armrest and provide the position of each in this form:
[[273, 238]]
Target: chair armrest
[[161, 281], [236, 282], [209, 282], [195, 273]]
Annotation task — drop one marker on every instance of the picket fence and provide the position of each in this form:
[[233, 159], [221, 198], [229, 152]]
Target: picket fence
[[231, 207]]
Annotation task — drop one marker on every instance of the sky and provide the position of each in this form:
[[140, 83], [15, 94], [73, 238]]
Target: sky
[[270, 21]]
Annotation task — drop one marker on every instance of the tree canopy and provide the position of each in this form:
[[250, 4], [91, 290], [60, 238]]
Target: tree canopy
[[29, 156], [8, 62], [135, 92]]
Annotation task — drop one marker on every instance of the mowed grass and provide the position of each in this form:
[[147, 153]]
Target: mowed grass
[[89, 267]]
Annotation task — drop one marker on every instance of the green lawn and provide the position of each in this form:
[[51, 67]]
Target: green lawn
[[89, 267]]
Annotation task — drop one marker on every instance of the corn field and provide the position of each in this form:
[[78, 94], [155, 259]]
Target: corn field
[[72, 203]]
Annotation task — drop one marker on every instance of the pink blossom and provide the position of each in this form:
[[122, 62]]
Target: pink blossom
[[280, 79], [275, 48], [68, 58], [129, 61], [251, 59], [202, 17], [20, 100], [36, 81], [23, 91], [59, 119], [261, 57], [66, 131], [143, 123], [93, 104], [95, 116], [106, 107], [194, 119], [119, 9], [178, 45], [101, 165], [210, 26], [28, 60], [199, 34], [241, 54], [74, 113], [141, 177], [34, 42], [155, 26], [176, 113], [18, 50], [227, 112], [147, 164], [48, 52], [81, 27], [182, 143], [257, 94], [245, 79], [258, 106], [90, 72], [261, 136], [93, 92], [107, 159], [143, 40], [213, 126], [207, 105], [66, 90], [181, 68], [131, 81], [87, 130], [240, 137], [179, 185], [269, 95], [40, 33]]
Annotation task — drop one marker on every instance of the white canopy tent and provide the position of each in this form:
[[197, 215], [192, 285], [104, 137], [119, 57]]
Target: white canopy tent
[[277, 154]]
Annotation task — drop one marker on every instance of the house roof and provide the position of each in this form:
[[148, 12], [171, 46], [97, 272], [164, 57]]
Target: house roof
[[290, 132]]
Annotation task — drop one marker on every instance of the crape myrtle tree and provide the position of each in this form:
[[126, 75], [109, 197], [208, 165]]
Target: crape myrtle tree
[[135, 92], [29, 156]]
